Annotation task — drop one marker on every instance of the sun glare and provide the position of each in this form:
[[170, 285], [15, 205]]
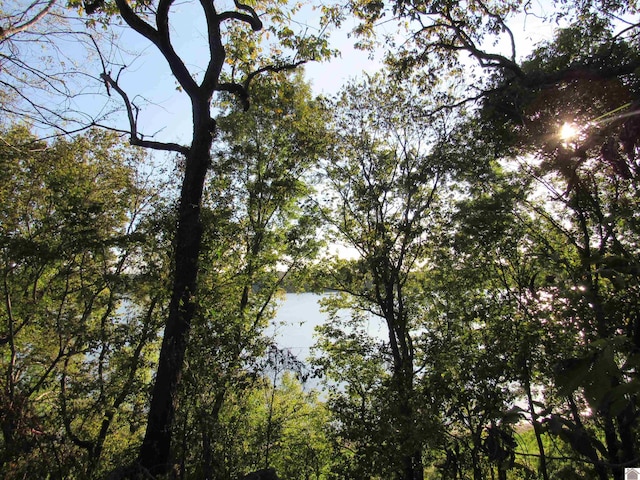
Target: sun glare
[[568, 131]]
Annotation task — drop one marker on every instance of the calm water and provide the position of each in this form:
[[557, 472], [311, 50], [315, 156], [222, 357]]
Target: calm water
[[297, 316]]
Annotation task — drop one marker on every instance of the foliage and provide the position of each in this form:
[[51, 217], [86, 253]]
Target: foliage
[[573, 227], [281, 419], [385, 175], [233, 55], [81, 299], [498, 258], [520, 282]]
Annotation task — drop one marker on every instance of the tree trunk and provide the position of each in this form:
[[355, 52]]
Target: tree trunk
[[412, 462], [403, 375], [412, 467], [477, 470], [537, 429], [589, 451], [156, 448]]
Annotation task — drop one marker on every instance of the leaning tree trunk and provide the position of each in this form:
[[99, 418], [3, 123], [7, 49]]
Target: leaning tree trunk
[[156, 448]]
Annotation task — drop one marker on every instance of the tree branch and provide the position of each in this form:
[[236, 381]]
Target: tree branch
[[498, 18], [134, 137], [238, 90], [242, 90], [251, 18], [217, 53], [483, 57], [273, 69], [135, 22], [9, 31], [160, 38]]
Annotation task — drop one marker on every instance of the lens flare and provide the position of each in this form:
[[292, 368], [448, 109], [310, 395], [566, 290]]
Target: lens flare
[[568, 131]]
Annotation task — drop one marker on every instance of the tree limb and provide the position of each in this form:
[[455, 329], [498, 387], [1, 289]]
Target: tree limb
[[217, 53], [134, 136], [12, 30], [135, 22], [160, 38], [242, 90], [273, 69], [238, 90], [483, 57], [498, 18], [251, 18]]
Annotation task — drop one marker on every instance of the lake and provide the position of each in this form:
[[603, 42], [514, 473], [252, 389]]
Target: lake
[[297, 316]]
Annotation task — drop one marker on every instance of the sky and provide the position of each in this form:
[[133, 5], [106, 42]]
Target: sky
[[165, 111]]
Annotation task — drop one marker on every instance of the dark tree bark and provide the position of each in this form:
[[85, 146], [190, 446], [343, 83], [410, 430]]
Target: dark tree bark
[[155, 452], [389, 296], [156, 447], [264, 474]]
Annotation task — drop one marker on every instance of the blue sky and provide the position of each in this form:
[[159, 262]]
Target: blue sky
[[165, 111]]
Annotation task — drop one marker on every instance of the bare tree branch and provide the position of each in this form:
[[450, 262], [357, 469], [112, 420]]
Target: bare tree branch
[[134, 136], [6, 32], [217, 52]]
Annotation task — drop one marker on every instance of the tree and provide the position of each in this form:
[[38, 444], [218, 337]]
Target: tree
[[385, 175], [230, 40], [356, 377], [566, 318], [46, 61], [588, 69], [283, 419], [257, 233], [21, 21], [77, 321], [489, 341], [588, 177], [478, 41]]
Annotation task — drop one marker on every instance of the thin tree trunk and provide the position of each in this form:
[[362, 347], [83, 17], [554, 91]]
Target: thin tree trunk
[[537, 430]]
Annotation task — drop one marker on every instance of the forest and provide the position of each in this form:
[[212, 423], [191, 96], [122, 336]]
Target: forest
[[485, 181]]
